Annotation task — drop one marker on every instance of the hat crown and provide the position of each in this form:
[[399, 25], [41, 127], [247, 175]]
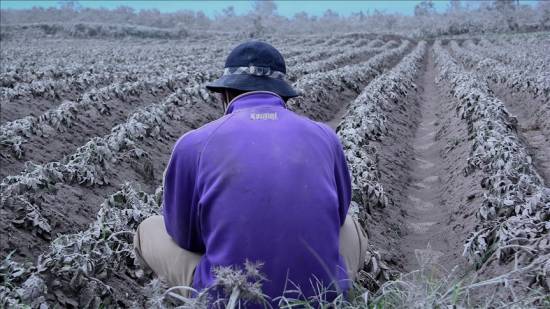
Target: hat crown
[[257, 54]]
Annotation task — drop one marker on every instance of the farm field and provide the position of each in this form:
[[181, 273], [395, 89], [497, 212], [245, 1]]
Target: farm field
[[447, 140]]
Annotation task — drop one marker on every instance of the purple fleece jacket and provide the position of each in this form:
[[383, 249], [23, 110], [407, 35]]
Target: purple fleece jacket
[[264, 184]]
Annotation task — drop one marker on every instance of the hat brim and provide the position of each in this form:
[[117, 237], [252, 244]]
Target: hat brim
[[245, 82]]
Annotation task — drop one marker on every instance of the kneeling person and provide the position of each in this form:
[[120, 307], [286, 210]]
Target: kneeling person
[[261, 184]]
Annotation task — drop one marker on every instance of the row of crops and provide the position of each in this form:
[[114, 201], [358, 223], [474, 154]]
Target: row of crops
[[100, 103], [72, 211], [510, 69], [365, 124], [90, 163], [512, 220], [92, 166]]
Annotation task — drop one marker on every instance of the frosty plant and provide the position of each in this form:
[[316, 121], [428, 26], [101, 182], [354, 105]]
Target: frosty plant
[[317, 87], [89, 164], [233, 287], [533, 81], [514, 215], [14, 134], [538, 84], [333, 62], [81, 262]]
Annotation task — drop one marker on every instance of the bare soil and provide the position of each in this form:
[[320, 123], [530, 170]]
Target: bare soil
[[339, 116], [430, 237]]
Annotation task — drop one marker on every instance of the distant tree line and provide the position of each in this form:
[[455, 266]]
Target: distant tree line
[[459, 18]]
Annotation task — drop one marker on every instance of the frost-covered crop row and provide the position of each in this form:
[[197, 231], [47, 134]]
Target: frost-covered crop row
[[513, 55], [517, 80], [319, 89], [375, 43], [41, 78], [14, 86], [333, 40], [358, 43], [29, 72], [334, 61], [513, 219], [296, 43], [53, 88], [15, 75], [50, 61], [317, 54], [13, 134], [76, 268], [364, 123], [89, 164], [529, 46]]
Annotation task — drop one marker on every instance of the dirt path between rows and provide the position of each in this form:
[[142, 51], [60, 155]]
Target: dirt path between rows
[[427, 238], [339, 116]]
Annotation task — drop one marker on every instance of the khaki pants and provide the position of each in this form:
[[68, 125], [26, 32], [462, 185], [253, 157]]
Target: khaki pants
[[156, 249]]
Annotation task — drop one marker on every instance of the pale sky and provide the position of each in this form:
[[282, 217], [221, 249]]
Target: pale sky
[[285, 8]]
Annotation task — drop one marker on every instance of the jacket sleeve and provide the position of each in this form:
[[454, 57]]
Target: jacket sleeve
[[181, 213], [343, 180]]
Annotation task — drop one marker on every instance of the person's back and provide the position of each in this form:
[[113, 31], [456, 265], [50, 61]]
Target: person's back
[[260, 184], [271, 187]]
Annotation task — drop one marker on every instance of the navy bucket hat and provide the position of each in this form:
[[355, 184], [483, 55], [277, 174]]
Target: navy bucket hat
[[254, 66]]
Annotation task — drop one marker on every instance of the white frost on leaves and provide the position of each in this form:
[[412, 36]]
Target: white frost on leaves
[[513, 217]]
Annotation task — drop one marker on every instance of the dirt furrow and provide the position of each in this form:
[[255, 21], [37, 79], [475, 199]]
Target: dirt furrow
[[35, 106], [374, 135], [434, 185], [333, 123], [425, 220], [345, 96]]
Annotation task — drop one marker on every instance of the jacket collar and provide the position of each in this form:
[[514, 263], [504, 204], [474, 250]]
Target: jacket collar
[[254, 98]]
